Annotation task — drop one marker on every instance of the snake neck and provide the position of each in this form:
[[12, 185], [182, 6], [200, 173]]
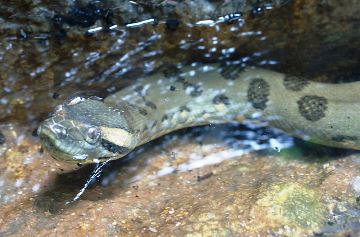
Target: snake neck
[[174, 100]]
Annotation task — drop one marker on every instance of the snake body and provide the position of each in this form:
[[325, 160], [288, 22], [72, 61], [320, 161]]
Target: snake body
[[85, 130]]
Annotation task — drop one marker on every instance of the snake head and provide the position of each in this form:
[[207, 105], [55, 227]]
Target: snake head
[[86, 130]]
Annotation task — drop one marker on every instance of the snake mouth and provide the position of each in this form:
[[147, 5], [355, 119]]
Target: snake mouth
[[54, 150], [61, 150]]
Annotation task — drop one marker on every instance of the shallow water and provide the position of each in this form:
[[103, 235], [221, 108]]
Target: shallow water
[[216, 180]]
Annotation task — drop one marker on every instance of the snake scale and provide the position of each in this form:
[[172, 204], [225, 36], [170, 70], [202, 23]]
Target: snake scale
[[87, 130]]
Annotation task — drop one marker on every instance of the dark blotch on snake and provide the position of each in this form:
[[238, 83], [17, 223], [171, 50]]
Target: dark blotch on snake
[[258, 93], [196, 90], [294, 83], [172, 88], [151, 105], [138, 89], [145, 128], [312, 107], [230, 72], [142, 111], [221, 99], [184, 108], [113, 147], [180, 79], [154, 124], [165, 117], [344, 138]]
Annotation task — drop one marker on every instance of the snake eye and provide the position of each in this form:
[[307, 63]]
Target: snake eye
[[92, 134]]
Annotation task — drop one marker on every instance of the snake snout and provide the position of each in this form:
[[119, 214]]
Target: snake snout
[[64, 142], [53, 137], [47, 136]]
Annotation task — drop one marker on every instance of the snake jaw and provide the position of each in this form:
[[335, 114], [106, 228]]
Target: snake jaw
[[52, 140]]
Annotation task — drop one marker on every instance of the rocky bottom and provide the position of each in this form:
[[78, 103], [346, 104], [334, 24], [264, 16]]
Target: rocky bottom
[[193, 183]]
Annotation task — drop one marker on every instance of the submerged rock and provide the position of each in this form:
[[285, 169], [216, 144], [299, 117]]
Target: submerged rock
[[159, 192]]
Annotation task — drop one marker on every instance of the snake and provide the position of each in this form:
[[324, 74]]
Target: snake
[[89, 129]]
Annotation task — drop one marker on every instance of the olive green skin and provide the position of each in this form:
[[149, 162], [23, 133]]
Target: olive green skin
[[87, 130]]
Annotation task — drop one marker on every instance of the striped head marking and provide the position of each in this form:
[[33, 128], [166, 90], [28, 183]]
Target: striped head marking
[[86, 131]]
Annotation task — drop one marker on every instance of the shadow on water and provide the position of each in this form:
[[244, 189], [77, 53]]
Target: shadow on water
[[64, 187], [314, 153], [61, 193], [324, 153]]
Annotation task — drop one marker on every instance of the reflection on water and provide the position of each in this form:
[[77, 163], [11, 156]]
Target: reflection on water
[[237, 140], [49, 51]]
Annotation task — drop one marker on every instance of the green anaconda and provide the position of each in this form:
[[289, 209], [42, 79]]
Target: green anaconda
[[86, 129]]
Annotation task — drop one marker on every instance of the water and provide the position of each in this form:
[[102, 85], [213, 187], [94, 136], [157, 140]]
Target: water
[[49, 52]]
